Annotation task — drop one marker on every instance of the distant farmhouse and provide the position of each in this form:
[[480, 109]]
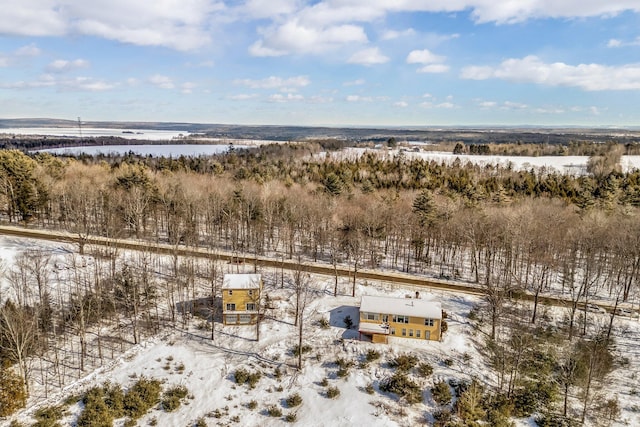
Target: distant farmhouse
[[241, 298], [381, 317]]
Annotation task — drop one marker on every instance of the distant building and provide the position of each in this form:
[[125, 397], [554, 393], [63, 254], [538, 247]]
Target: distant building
[[241, 298], [381, 317]]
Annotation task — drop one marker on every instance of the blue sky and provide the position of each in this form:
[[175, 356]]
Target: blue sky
[[323, 62]]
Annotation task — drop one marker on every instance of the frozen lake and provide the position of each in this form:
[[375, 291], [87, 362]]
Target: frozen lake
[[169, 150]]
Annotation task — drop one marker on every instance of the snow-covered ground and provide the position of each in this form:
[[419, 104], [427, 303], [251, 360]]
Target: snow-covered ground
[[187, 356], [574, 165], [145, 134]]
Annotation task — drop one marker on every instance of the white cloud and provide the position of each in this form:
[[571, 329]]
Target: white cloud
[[370, 56], [356, 82], [187, 87], [392, 34], [442, 105], [424, 56], [243, 96], [487, 104], [432, 63], [318, 99], [531, 69], [163, 82], [358, 98], [261, 9], [621, 43], [293, 37], [278, 97], [274, 82], [63, 65], [178, 24], [401, 104], [28, 50], [87, 84], [434, 68], [510, 105]]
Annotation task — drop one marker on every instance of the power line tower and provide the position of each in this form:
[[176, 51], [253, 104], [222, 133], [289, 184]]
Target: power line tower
[[80, 127]]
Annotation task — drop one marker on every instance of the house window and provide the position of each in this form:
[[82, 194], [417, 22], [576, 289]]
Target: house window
[[428, 322], [231, 307], [230, 292], [417, 333], [404, 332], [372, 316], [251, 306], [393, 331], [410, 332], [401, 319], [385, 318]]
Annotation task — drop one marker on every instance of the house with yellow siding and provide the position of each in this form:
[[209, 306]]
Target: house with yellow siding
[[412, 318], [241, 298]]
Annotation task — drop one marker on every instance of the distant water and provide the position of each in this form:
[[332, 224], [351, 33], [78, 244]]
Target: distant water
[[169, 150]]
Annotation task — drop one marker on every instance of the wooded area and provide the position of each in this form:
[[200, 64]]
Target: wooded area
[[507, 231]]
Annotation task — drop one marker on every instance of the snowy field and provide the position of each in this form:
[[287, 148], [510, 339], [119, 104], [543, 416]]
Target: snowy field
[[145, 134], [185, 355], [575, 165]]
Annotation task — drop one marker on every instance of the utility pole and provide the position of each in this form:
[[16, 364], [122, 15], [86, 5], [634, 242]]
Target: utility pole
[[80, 126]]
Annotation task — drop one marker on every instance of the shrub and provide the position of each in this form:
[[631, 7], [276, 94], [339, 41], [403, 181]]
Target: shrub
[[172, 398], [369, 388], [553, 420], [96, 413], [252, 405], [324, 323], [324, 382], [425, 369], [403, 386], [48, 417], [441, 393], [291, 417], [200, 422], [404, 362], [242, 376], [13, 395], [344, 363], [305, 349], [294, 400], [448, 362], [442, 417], [348, 322], [342, 372], [274, 411], [333, 392], [372, 355], [141, 397]]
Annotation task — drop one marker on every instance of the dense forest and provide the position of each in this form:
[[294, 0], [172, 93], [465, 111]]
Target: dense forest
[[508, 231]]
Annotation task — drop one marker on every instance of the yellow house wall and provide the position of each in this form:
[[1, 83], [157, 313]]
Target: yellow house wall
[[239, 297], [415, 323]]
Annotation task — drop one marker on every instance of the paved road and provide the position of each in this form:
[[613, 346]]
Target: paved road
[[287, 264]]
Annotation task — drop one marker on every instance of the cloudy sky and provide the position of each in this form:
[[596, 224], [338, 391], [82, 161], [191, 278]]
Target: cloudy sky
[[323, 62]]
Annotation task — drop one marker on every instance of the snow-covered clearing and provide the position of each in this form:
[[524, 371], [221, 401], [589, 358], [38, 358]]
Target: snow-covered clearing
[[574, 165], [187, 356]]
